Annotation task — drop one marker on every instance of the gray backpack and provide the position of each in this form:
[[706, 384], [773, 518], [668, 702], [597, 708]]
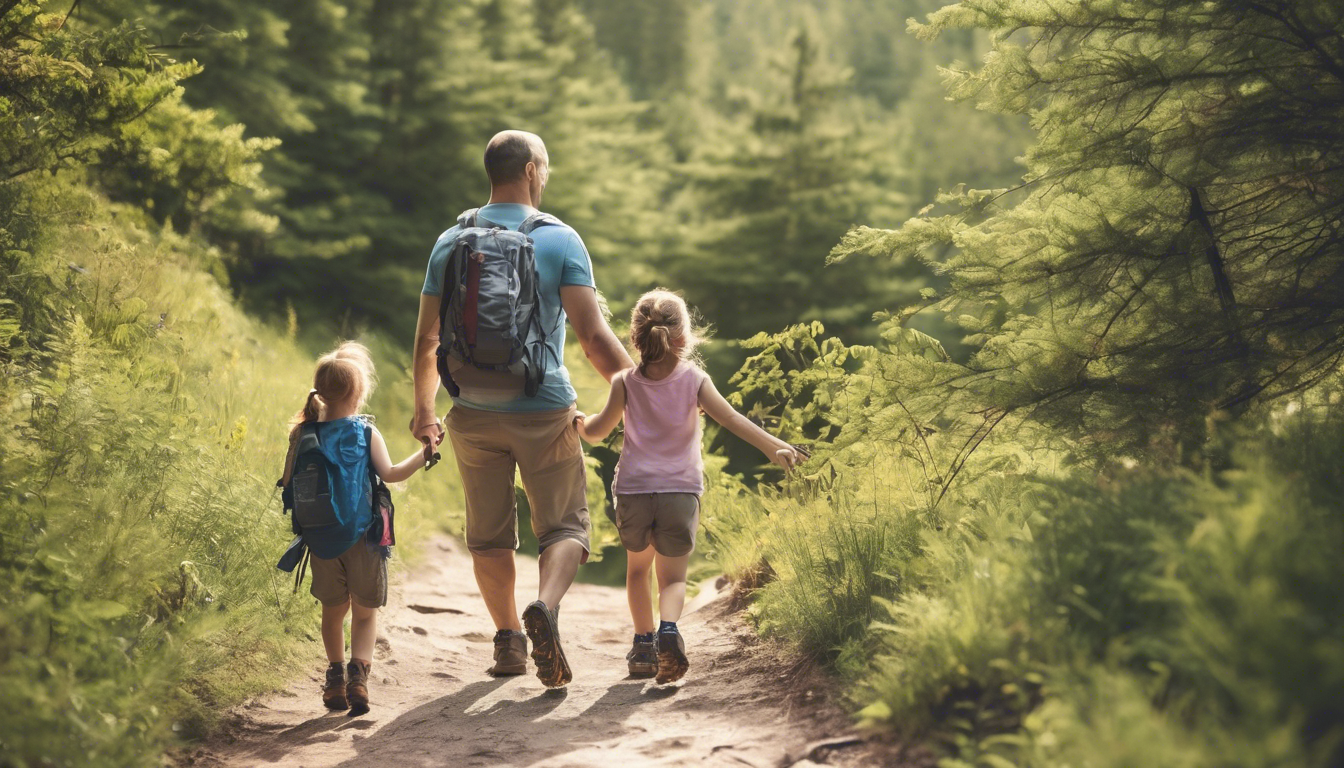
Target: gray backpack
[[490, 311]]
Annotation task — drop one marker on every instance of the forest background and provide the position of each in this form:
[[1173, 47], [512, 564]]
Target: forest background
[[1066, 345]]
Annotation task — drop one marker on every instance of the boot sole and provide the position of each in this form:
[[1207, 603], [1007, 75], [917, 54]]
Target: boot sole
[[336, 705], [358, 706], [672, 664], [552, 667], [643, 670], [510, 671]]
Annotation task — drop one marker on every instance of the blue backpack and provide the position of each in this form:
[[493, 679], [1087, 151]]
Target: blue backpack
[[306, 496]]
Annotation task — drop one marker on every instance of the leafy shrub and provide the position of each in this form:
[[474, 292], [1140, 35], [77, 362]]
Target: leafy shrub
[[1197, 601], [144, 420]]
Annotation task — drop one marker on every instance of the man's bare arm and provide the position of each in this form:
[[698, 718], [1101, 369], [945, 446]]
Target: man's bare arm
[[600, 345], [425, 372]]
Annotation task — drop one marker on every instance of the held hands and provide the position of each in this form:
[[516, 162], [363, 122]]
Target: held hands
[[430, 435], [789, 457]]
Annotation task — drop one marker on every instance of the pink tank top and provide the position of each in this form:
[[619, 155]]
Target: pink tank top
[[662, 434]]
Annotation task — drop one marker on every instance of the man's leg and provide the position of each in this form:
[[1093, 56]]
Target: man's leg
[[550, 460], [487, 467], [559, 564], [495, 576]]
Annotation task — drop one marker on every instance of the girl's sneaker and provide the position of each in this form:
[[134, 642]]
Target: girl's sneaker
[[672, 663], [333, 693], [643, 656], [357, 687]]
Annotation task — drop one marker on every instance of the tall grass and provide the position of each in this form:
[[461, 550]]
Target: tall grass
[[144, 422], [1138, 617]]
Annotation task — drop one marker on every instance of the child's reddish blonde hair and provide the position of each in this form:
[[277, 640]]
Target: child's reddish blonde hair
[[343, 375], [661, 325]]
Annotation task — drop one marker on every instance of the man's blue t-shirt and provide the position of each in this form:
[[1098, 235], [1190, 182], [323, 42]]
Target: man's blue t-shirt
[[561, 259]]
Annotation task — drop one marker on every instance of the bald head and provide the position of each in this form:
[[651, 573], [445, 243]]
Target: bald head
[[509, 152]]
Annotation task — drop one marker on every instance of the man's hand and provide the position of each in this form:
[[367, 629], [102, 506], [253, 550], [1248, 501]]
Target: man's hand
[[428, 430]]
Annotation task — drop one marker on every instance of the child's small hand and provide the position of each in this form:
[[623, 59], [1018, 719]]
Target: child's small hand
[[431, 456], [788, 458]]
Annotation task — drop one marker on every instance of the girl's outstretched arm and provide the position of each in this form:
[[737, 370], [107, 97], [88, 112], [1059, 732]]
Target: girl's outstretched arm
[[594, 428], [382, 462], [720, 410]]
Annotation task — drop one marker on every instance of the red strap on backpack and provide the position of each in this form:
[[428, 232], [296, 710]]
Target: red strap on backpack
[[473, 295]]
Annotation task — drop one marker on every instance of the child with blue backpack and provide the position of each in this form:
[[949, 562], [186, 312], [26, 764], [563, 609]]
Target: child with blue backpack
[[335, 460]]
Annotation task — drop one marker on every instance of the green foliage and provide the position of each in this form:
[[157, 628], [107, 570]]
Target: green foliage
[[786, 176], [1174, 249], [139, 526], [67, 93]]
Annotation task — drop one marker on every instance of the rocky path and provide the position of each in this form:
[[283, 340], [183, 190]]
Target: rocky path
[[433, 705]]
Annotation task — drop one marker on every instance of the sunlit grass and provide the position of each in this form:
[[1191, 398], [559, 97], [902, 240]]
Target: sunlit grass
[[139, 519]]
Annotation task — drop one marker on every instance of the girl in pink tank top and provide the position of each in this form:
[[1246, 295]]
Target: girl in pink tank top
[[660, 475]]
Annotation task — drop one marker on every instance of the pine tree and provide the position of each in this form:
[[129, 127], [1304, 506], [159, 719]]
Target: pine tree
[[770, 195], [1176, 247]]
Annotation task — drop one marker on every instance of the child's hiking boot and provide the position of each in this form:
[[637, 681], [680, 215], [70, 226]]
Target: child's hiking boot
[[672, 662], [510, 653], [357, 687], [552, 668], [333, 693], [643, 656]]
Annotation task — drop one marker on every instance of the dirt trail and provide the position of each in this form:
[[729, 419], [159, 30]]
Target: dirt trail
[[433, 705]]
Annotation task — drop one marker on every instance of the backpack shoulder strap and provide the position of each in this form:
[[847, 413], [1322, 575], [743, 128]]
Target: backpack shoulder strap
[[368, 441], [295, 438], [538, 219], [468, 218]]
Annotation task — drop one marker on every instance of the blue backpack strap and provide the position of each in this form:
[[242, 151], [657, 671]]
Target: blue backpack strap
[[538, 219]]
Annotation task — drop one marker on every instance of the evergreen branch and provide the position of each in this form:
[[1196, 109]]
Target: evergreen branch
[[1250, 391], [922, 439], [68, 14], [1138, 289], [1222, 285], [1300, 31], [955, 468]]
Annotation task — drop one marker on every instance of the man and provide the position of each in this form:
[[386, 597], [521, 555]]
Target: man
[[494, 427]]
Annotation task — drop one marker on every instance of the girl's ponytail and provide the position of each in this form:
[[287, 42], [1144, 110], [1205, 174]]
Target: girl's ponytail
[[343, 375], [657, 345], [660, 325], [311, 411]]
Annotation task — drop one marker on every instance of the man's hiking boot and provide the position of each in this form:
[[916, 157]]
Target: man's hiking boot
[[357, 687], [333, 693], [552, 668], [510, 653], [643, 656], [672, 662]]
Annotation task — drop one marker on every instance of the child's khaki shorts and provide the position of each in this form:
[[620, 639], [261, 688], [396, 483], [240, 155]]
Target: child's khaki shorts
[[360, 573], [668, 520]]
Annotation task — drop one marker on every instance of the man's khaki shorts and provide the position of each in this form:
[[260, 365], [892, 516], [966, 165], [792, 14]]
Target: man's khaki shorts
[[668, 520], [360, 573], [544, 446]]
